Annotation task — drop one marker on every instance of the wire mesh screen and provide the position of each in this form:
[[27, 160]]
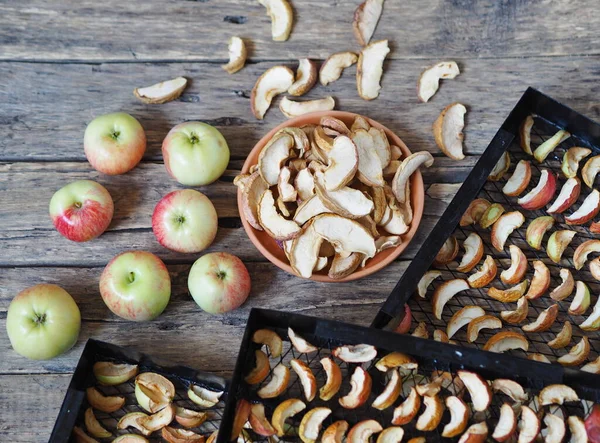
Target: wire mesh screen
[[492, 191]]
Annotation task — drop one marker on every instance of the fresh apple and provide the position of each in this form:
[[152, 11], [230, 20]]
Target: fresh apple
[[195, 153], [114, 143], [43, 322], [81, 210], [592, 424], [219, 282], [185, 221], [135, 285]]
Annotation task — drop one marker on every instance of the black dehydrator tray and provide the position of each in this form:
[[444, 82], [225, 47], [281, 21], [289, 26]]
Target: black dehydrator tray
[[430, 355], [549, 117], [75, 403]]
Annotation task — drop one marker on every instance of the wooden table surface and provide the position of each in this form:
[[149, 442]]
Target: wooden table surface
[[63, 63]]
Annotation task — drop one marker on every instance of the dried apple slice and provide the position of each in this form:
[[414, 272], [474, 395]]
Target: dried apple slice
[[286, 409], [335, 432], [272, 82], [282, 18], [174, 435], [212, 437], [505, 225], [93, 425], [463, 317], [557, 243], [299, 343], [557, 394], [311, 423], [272, 222], [421, 330], [476, 433], [447, 130], [334, 379], [310, 208], [555, 430], [511, 388], [306, 377], [519, 314], [407, 168], [237, 55], [272, 156], [252, 188], [544, 321], [473, 246], [80, 436], [509, 295], [333, 66], [270, 339], [291, 108], [346, 235], [592, 367], [541, 195], [474, 212], [571, 159], [491, 215], [536, 230], [429, 81], [525, 134], [592, 323], [577, 429], [432, 415], [447, 253], [478, 388], [543, 150], [158, 420], [569, 193], [132, 419], [360, 383], [582, 252], [304, 252], [205, 397], [153, 391], [430, 389], [280, 377], [485, 275], [518, 266], [362, 431], [445, 292], [505, 341], [501, 168], [538, 357], [381, 145], [577, 354], [260, 370], [507, 423], [540, 281], [343, 163], [189, 418], [459, 416], [563, 338], [130, 438], [530, 425], [479, 323], [242, 413], [590, 170], [396, 360], [342, 266], [109, 373], [581, 301], [355, 353], [304, 184], [370, 69], [104, 403], [519, 179], [392, 434], [287, 193], [417, 440], [408, 409], [365, 20], [306, 77], [346, 202], [587, 211], [162, 92], [425, 281], [370, 171], [390, 394], [258, 421], [565, 288], [595, 268]]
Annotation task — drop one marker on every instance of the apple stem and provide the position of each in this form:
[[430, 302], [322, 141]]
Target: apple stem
[[221, 275], [77, 205], [194, 139], [115, 135], [40, 318], [131, 277]]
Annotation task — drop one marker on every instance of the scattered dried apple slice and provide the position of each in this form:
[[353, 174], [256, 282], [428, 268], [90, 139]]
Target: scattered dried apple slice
[[237, 55], [592, 323], [311, 423], [583, 250], [392, 434], [109, 373], [408, 409], [587, 211], [360, 383], [518, 266], [501, 168], [445, 292], [432, 415], [258, 420], [543, 150], [93, 425], [474, 212], [476, 433], [536, 230], [334, 379], [332, 67], [362, 431], [557, 394], [571, 160], [563, 338], [396, 360], [291, 108], [569, 193], [425, 281], [581, 301], [479, 323], [505, 225], [590, 170], [447, 253], [429, 81], [430, 389], [540, 281], [131, 419], [161, 92], [286, 409], [478, 388], [577, 428], [306, 377], [282, 18], [565, 288], [530, 425], [158, 420], [541, 195], [408, 166], [273, 81], [280, 377], [252, 189], [189, 418], [335, 432], [463, 317], [485, 275], [390, 394], [519, 314], [207, 398], [519, 180], [557, 243], [366, 17], [507, 423], [544, 321], [370, 69], [447, 130], [525, 134], [473, 246], [491, 215], [260, 370], [174, 435], [299, 343], [555, 430], [355, 353], [577, 354], [272, 222], [104, 403], [306, 77], [509, 295], [592, 367], [511, 388], [459, 416], [505, 341], [270, 339], [346, 235]]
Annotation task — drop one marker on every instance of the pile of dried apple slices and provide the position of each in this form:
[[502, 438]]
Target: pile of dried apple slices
[[414, 398], [332, 196], [154, 394]]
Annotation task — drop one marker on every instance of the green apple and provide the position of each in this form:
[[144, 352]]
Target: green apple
[[195, 153], [114, 143], [43, 322], [135, 285], [219, 282]]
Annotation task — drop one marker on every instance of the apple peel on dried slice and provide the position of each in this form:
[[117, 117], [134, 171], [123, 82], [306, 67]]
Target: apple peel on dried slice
[[557, 243], [511, 388], [491, 215], [391, 392], [311, 423], [362, 431], [237, 55], [306, 77], [507, 423], [501, 168], [355, 353], [577, 354], [518, 266], [476, 433], [569, 193], [291, 108], [162, 92], [252, 186], [360, 383], [445, 292], [557, 394], [93, 426], [587, 211], [577, 429], [408, 409], [505, 226], [110, 374], [509, 295], [529, 426], [205, 397], [272, 156], [189, 418], [519, 179], [543, 150], [286, 409], [332, 67], [544, 321], [174, 435], [540, 281], [525, 134], [429, 80], [272, 222], [269, 338], [592, 323], [537, 229], [565, 288], [342, 266], [306, 377], [485, 275], [334, 379], [581, 301], [583, 250], [347, 202], [459, 416], [541, 195], [260, 370], [473, 246], [505, 341], [335, 432], [370, 171], [370, 69], [304, 252], [425, 281], [463, 317], [448, 130], [273, 81], [592, 367], [258, 421], [104, 403], [474, 212], [432, 415], [563, 338], [299, 343], [280, 377], [571, 159], [366, 17], [595, 268], [590, 170], [536, 356], [479, 390], [131, 419], [159, 419], [518, 315], [479, 323], [282, 17], [447, 252]]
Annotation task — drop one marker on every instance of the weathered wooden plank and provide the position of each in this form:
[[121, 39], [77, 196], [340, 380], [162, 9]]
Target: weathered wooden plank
[[44, 120], [179, 30]]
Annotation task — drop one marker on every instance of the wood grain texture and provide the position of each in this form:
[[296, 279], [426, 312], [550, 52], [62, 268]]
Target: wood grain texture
[[199, 30]]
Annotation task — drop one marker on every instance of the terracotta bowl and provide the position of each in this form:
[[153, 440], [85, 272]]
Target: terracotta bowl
[[269, 247]]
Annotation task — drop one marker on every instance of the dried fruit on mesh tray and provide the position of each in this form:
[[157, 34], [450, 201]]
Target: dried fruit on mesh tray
[[425, 281], [333, 380], [204, 397], [543, 150], [509, 295], [506, 341], [473, 246], [525, 134], [557, 394], [581, 301], [483, 322], [592, 322], [459, 416], [544, 321], [270, 339], [485, 275], [447, 130], [571, 159], [577, 354], [406, 411], [540, 281], [557, 243], [505, 226], [311, 423], [519, 179], [518, 266], [479, 390], [563, 338], [507, 423], [555, 428], [132, 419], [189, 418], [530, 425], [159, 419], [396, 360], [569, 193], [543, 192], [286, 409], [258, 421], [306, 377], [104, 403], [511, 388], [93, 426], [474, 212], [583, 250], [260, 370], [280, 377], [391, 392], [501, 168], [445, 292], [363, 430], [429, 81], [476, 433], [447, 253], [109, 373], [491, 215], [360, 389], [299, 343], [432, 415], [537, 229], [590, 170], [335, 432], [587, 211], [175, 435], [355, 353]]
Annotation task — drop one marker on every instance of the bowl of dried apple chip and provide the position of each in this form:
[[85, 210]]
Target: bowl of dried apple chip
[[331, 196]]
